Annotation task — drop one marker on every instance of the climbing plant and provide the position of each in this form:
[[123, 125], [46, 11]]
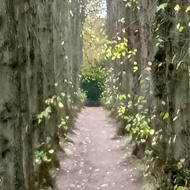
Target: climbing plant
[[147, 83], [94, 36]]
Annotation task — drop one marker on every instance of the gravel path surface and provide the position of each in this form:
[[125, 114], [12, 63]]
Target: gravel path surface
[[96, 160]]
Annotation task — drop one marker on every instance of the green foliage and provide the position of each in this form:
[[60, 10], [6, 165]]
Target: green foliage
[[41, 155], [145, 117], [94, 72], [55, 100], [93, 38], [93, 75], [133, 4], [162, 6]]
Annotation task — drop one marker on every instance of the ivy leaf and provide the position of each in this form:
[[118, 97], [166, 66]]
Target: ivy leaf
[[166, 115], [177, 8], [181, 29], [175, 118], [135, 69], [163, 103], [148, 69], [174, 139], [188, 9], [178, 65], [162, 6], [122, 20], [178, 26], [71, 13], [148, 152], [141, 98], [152, 131], [61, 105], [182, 188], [51, 151]]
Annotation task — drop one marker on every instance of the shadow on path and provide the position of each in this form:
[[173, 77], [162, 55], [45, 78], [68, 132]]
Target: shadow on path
[[94, 160]]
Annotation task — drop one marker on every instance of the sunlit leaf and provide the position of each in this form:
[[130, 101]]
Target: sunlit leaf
[[178, 26], [175, 118], [61, 105], [178, 65], [122, 20], [162, 6], [181, 29], [71, 13], [166, 115], [135, 69], [177, 8], [188, 9], [152, 131], [163, 103], [51, 151], [148, 69]]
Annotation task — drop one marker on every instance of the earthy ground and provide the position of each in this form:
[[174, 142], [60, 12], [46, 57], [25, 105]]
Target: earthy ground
[[96, 160]]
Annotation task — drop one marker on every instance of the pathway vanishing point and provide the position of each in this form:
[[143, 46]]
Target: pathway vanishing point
[[96, 160]]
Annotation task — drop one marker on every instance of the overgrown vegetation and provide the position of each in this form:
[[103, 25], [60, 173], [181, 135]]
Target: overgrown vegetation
[[147, 84], [137, 59], [93, 74]]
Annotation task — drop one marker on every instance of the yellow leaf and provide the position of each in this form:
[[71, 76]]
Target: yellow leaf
[[175, 118], [174, 139], [160, 64], [136, 31], [37, 160], [181, 29], [129, 56], [39, 121], [135, 69], [178, 26], [152, 132], [148, 69], [177, 8], [118, 37], [188, 9], [143, 140], [61, 105], [51, 151], [62, 43], [71, 13], [178, 65]]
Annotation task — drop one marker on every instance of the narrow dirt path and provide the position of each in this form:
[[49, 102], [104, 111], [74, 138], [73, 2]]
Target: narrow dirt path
[[95, 160]]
